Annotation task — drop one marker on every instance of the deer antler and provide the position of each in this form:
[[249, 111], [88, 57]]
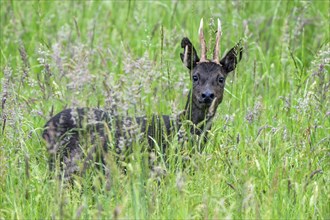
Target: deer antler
[[217, 44], [202, 42]]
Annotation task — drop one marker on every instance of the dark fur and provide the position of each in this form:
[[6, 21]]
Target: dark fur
[[76, 132], [70, 132]]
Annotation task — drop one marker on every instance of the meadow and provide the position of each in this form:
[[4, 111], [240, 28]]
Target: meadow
[[268, 154]]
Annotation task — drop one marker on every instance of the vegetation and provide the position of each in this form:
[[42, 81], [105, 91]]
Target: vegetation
[[268, 152]]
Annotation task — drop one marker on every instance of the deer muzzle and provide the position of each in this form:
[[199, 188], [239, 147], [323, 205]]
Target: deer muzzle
[[207, 97]]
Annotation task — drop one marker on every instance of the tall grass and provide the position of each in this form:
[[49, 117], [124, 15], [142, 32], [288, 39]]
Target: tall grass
[[268, 151]]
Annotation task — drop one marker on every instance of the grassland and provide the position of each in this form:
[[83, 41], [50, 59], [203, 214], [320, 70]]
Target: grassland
[[268, 156]]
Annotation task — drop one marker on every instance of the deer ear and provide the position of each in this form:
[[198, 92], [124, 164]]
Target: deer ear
[[189, 56], [231, 59]]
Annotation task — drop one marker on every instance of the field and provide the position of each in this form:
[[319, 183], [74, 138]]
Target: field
[[268, 154]]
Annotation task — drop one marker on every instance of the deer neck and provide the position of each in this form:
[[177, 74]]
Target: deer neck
[[194, 114], [201, 118]]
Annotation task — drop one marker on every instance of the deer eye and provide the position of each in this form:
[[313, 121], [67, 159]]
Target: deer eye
[[221, 80], [195, 78]]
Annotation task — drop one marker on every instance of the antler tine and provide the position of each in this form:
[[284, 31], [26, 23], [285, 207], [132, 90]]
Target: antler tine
[[217, 44], [202, 42]]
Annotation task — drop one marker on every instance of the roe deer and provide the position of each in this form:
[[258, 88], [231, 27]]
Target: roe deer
[[66, 132]]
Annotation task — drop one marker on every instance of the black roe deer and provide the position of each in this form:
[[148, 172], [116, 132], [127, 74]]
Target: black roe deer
[[83, 134]]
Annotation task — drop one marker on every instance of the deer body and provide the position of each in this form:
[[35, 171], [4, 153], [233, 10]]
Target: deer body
[[66, 132]]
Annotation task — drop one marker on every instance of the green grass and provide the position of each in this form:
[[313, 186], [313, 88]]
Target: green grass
[[268, 153]]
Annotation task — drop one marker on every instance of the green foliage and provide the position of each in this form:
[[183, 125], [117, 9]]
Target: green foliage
[[268, 150]]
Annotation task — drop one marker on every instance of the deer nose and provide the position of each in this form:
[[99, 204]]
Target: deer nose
[[208, 96]]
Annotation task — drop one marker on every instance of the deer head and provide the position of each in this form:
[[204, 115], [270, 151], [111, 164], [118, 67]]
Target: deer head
[[208, 76]]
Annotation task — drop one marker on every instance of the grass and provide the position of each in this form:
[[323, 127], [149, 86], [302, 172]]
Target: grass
[[268, 154]]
